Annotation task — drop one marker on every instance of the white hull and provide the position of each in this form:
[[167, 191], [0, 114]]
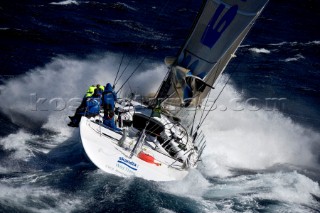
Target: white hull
[[101, 147]]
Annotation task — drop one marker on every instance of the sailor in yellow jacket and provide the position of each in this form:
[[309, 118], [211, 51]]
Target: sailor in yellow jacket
[[75, 120]]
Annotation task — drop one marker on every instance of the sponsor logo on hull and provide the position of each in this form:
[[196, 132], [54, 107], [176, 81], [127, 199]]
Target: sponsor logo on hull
[[130, 164]]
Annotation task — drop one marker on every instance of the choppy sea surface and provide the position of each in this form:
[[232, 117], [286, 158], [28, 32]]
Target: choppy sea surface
[[261, 155]]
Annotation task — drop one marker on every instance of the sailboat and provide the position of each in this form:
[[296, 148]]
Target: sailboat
[[160, 140]]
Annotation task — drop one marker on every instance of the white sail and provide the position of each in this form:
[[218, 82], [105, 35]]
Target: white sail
[[219, 30]]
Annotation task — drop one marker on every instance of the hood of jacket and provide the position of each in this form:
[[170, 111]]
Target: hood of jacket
[[108, 88]]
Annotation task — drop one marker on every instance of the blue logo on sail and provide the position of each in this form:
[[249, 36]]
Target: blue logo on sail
[[130, 164], [218, 25]]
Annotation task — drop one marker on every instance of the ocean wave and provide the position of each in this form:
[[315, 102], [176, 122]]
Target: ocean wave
[[295, 43], [259, 50], [66, 2], [237, 136], [296, 58], [313, 42], [244, 45], [118, 5], [279, 44], [249, 191], [29, 198], [124, 5], [141, 31], [41, 100], [290, 187], [136, 26], [18, 144], [23, 145]]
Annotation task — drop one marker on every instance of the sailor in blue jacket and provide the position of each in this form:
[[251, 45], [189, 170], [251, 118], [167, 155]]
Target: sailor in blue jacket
[[93, 104], [109, 97]]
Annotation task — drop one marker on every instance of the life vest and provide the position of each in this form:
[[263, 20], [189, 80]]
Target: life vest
[[90, 91], [100, 89]]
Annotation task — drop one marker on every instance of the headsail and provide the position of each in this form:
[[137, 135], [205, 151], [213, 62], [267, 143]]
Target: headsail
[[217, 33]]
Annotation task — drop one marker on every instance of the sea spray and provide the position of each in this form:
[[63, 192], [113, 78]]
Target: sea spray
[[58, 88], [254, 139]]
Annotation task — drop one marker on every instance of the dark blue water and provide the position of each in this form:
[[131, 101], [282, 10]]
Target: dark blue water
[[263, 158]]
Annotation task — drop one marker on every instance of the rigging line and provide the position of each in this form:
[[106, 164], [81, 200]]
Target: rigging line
[[205, 105], [118, 69], [130, 88], [194, 118], [200, 123], [208, 96], [131, 74], [143, 41], [130, 59], [215, 76]]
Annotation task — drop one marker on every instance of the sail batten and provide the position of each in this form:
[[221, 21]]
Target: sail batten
[[218, 32]]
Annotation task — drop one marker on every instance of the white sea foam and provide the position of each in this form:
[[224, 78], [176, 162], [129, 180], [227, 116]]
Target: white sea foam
[[244, 45], [294, 43], [295, 191], [22, 145], [17, 142], [45, 96], [296, 58], [288, 187], [260, 50], [3, 170], [126, 6], [292, 189], [30, 199], [279, 44], [314, 42], [67, 2], [254, 139], [187, 187]]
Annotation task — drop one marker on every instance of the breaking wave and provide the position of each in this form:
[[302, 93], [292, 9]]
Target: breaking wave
[[124, 5], [295, 191], [46, 95], [39, 199], [67, 2], [259, 50], [295, 43], [296, 58], [254, 138]]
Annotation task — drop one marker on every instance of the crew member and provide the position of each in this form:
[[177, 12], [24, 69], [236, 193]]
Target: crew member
[[75, 119], [109, 98]]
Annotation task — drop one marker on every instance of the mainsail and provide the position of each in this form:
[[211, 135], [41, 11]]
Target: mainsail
[[218, 31]]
